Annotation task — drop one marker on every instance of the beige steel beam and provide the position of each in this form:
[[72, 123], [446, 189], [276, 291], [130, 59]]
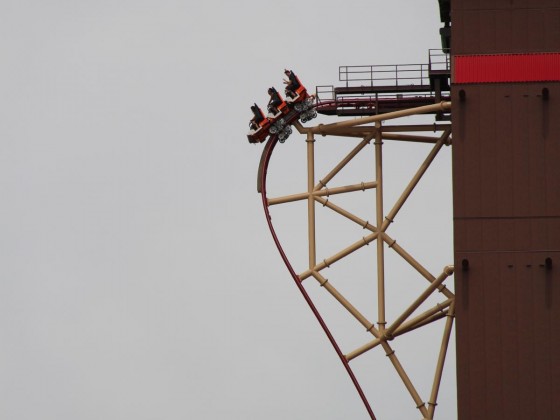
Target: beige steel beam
[[427, 321], [409, 138], [338, 256], [386, 136], [323, 182], [391, 132], [363, 223], [323, 282], [404, 377], [324, 192], [403, 128], [441, 361], [324, 129], [370, 129], [392, 243], [344, 189], [432, 314], [415, 127], [379, 220], [310, 201], [415, 179]]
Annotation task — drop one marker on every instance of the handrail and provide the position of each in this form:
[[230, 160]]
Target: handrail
[[439, 59], [395, 74], [384, 75]]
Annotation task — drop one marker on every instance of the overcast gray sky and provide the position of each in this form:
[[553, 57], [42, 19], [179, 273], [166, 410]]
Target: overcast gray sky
[[138, 279]]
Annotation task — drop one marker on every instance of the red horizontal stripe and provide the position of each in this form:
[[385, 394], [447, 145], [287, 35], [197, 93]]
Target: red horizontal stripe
[[534, 67]]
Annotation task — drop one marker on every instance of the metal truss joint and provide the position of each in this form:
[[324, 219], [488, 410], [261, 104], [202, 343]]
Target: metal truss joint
[[388, 336]]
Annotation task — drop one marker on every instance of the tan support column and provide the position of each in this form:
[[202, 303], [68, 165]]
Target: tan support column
[[441, 360], [379, 220], [310, 200]]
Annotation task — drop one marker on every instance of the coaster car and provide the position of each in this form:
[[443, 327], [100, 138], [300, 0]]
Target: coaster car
[[282, 113]]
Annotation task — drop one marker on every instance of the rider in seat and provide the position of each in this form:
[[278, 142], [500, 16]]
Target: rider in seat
[[258, 117], [275, 103], [292, 83], [258, 126], [295, 91]]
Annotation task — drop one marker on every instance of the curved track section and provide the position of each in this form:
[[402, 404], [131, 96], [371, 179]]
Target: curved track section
[[261, 186]]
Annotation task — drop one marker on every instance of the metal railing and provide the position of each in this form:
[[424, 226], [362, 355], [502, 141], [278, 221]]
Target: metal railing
[[384, 75], [325, 93], [400, 76], [439, 60]]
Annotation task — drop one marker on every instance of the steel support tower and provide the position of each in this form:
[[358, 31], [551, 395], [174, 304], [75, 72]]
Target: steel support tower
[[506, 192]]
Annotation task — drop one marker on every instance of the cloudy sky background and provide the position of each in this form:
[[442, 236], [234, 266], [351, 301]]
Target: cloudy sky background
[[137, 278]]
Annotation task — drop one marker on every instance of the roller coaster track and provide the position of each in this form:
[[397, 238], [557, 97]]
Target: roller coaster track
[[267, 153], [383, 332]]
